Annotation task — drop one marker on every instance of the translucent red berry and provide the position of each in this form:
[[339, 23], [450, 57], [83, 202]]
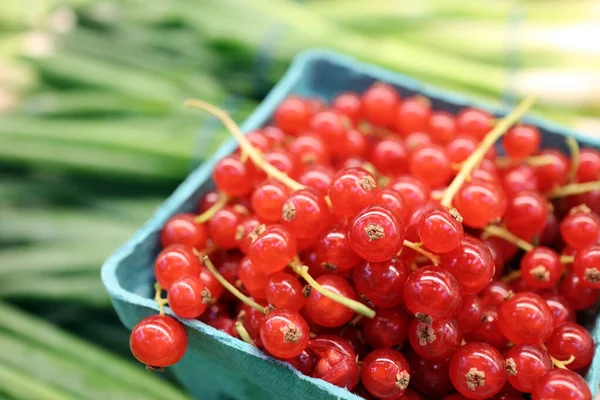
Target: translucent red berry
[[479, 203], [576, 291], [284, 333], [305, 362], [308, 149], [588, 169], [385, 373], [335, 361], [292, 115], [526, 214], [558, 384], [348, 104], [489, 331], [305, 214], [232, 176], [389, 156], [434, 340], [389, 327], [525, 318], [521, 141], [379, 104], [473, 122], [333, 250], [381, 283], [432, 291], [440, 231], [272, 248], [472, 265], [376, 233], [525, 366], [414, 191], [253, 279], [158, 341], [469, 313], [183, 229], [477, 370], [554, 172], [174, 262], [394, 201], [413, 115], [580, 228], [587, 266], [541, 268], [519, 178], [267, 199], [325, 311], [318, 177], [188, 296], [284, 291], [329, 126], [352, 190], [571, 339], [431, 165], [223, 227]]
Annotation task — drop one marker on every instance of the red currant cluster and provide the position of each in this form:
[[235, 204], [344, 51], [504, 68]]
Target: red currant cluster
[[412, 227]]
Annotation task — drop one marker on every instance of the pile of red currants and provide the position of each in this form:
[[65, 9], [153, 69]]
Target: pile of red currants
[[385, 247]]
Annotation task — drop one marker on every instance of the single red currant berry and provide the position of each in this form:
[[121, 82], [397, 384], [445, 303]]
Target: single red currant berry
[[587, 266], [329, 126], [414, 191], [432, 291], [381, 283], [376, 233], [525, 366], [469, 313], [588, 169], [413, 115], [389, 156], [243, 231], [431, 165], [394, 201], [436, 340], [417, 140], [577, 292], [571, 339], [348, 104], [521, 141], [174, 262], [473, 122], [479, 203], [188, 296], [212, 284], [284, 333], [223, 227], [308, 149], [379, 104], [389, 327], [334, 252], [489, 331], [442, 127], [258, 141], [183, 229], [158, 341], [430, 377], [305, 214], [272, 248], [441, 230], [519, 178], [477, 370], [325, 311], [460, 148], [526, 214], [253, 279], [580, 228], [283, 161], [385, 373], [496, 293], [292, 115], [471, 264], [274, 136], [541, 268], [355, 144], [335, 361], [525, 318], [562, 310], [267, 199], [352, 190], [318, 177], [284, 291], [558, 384], [208, 200], [554, 172], [232, 176]]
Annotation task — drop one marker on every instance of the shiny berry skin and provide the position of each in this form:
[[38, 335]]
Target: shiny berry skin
[[580, 229], [477, 370], [496, 293], [469, 313], [480, 203], [267, 199], [334, 252], [348, 104], [258, 141], [588, 169], [305, 362], [553, 173], [292, 115], [432, 291], [183, 229], [541, 268], [272, 248], [439, 231], [526, 214], [571, 339], [275, 136], [352, 190], [381, 283], [394, 201], [417, 140], [283, 161], [519, 178], [243, 231], [590, 199], [232, 176], [442, 127], [308, 149], [323, 310], [355, 144], [430, 377], [335, 361], [376, 233], [489, 331], [208, 200], [559, 384], [587, 266], [188, 296], [471, 264], [413, 115], [521, 141], [414, 191], [389, 156], [577, 292], [389, 327], [253, 279], [525, 318], [284, 333], [379, 104], [525, 366], [222, 227], [318, 177], [436, 340], [174, 262], [460, 148], [329, 126], [432, 165], [385, 373], [562, 310], [158, 341], [305, 214], [284, 291], [473, 122]]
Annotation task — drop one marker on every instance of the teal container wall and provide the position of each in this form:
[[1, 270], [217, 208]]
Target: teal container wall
[[216, 366]]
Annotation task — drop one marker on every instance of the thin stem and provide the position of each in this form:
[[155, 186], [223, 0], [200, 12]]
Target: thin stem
[[534, 161], [208, 214], [475, 158], [244, 144], [511, 276], [567, 259], [244, 335], [354, 305], [417, 247], [205, 252], [561, 364], [493, 230], [574, 188], [574, 149], [242, 297], [158, 298]]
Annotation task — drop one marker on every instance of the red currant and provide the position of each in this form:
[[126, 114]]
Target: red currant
[[243, 231], [308, 149], [541, 268], [223, 227], [285, 292], [430, 377], [158, 341], [376, 233], [325, 311], [267, 199], [442, 127], [432, 291], [284, 333], [489, 331], [174, 262], [232, 176], [352, 190], [440, 231], [555, 172], [379, 104], [587, 266], [305, 362], [305, 214], [469, 313], [389, 156], [571, 339], [183, 229], [559, 384], [525, 366], [525, 318], [389, 327], [580, 228], [413, 115], [253, 279], [188, 296], [479, 203], [334, 252], [414, 191], [521, 141], [477, 370], [431, 165], [562, 310], [385, 373], [381, 283], [526, 214], [292, 115], [518, 179], [436, 340], [471, 264], [348, 104], [588, 169], [473, 122], [577, 292], [336, 361], [318, 177]]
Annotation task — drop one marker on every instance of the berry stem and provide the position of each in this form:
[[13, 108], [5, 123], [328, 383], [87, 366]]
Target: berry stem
[[354, 305], [244, 335], [417, 247], [567, 259], [534, 161], [503, 233], [242, 297], [574, 149], [511, 276], [244, 144], [208, 214], [158, 298], [488, 141], [205, 252], [561, 364], [574, 188]]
